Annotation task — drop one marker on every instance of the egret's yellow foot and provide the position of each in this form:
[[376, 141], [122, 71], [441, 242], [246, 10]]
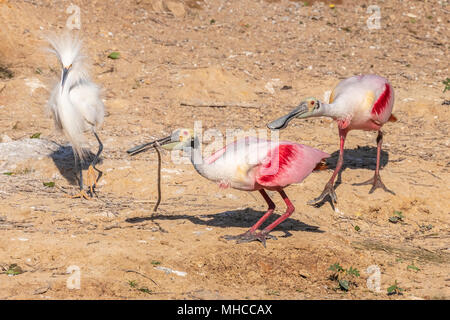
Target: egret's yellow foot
[[91, 179], [82, 195]]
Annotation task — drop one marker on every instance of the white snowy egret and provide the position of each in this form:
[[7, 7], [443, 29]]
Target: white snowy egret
[[76, 105]]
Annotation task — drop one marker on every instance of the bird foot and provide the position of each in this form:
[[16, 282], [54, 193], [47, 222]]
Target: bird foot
[[327, 191], [376, 183], [251, 236], [82, 195], [91, 180]]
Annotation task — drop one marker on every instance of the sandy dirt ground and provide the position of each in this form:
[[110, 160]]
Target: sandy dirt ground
[[253, 61]]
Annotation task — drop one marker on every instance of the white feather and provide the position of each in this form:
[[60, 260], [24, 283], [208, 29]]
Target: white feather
[[77, 107]]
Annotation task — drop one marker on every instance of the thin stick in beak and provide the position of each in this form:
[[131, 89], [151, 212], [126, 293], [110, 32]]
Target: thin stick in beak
[[146, 146]]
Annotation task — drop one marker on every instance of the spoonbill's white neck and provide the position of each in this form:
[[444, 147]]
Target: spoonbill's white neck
[[197, 157], [333, 110]]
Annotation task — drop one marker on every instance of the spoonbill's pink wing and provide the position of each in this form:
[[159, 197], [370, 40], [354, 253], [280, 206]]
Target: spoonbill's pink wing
[[288, 163], [382, 108]]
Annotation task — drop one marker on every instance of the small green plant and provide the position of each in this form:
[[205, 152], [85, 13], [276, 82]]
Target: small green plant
[[412, 267], [353, 272], [50, 184], [155, 262], [13, 270], [114, 55], [357, 228], [336, 268], [133, 284], [398, 216], [273, 293], [344, 277], [446, 82], [37, 135], [145, 290], [8, 173], [212, 21], [394, 289]]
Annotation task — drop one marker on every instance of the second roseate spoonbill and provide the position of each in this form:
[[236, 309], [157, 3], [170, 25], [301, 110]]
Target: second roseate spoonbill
[[76, 105], [361, 102], [249, 164]]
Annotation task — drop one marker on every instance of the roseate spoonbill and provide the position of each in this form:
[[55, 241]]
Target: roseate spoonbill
[[249, 164], [361, 102], [75, 105]]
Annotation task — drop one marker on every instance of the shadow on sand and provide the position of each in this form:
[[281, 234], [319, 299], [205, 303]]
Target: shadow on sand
[[64, 160], [235, 218]]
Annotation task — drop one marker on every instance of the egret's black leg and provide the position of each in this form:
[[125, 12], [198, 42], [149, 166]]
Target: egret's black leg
[[97, 156], [79, 165], [92, 180]]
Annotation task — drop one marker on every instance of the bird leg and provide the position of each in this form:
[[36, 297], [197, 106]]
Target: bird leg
[[376, 180], [91, 178], [329, 187], [82, 194], [264, 234], [250, 234]]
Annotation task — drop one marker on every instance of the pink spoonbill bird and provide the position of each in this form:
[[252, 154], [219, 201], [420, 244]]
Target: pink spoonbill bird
[[361, 102], [249, 164]]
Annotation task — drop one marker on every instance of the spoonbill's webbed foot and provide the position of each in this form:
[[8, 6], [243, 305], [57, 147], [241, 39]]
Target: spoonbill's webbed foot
[[376, 183], [327, 191], [251, 236]]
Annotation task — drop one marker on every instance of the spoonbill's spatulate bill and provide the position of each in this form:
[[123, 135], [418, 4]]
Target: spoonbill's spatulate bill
[[76, 105], [361, 102], [250, 164]]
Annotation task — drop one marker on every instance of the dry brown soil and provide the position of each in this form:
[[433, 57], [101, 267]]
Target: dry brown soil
[[253, 61]]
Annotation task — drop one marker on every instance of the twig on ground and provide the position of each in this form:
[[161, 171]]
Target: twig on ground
[[143, 275], [156, 146]]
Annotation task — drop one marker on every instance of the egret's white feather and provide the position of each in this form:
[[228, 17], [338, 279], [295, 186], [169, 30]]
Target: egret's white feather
[[77, 106]]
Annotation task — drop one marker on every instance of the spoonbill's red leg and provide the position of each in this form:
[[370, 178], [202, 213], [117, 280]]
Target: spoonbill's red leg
[[329, 187], [264, 234], [249, 234], [376, 180]]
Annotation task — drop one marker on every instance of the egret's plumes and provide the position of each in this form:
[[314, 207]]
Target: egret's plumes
[[75, 101], [67, 48]]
